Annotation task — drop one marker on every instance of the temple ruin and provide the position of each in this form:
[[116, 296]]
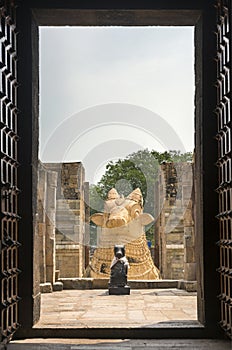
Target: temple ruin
[[63, 228]]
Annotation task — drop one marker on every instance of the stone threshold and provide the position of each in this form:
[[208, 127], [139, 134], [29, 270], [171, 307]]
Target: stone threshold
[[94, 283], [119, 344]]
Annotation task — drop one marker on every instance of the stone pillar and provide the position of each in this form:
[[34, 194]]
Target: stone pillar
[[87, 230], [161, 223], [189, 245], [176, 222], [42, 187], [50, 226], [157, 224], [70, 220], [163, 242]]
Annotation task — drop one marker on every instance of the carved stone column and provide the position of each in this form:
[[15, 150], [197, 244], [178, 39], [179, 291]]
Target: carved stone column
[[50, 226], [42, 185], [189, 246]]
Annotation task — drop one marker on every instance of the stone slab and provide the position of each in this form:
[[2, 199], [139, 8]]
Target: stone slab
[[102, 283], [84, 309]]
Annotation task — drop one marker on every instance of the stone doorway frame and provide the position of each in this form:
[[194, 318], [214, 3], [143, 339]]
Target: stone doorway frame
[[32, 14]]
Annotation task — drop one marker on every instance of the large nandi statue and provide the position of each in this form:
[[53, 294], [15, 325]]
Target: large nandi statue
[[123, 222]]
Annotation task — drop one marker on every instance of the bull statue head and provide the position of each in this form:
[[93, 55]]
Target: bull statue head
[[119, 211]]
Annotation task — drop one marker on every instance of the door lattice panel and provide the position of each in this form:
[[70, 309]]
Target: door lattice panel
[[224, 137], [9, 190]]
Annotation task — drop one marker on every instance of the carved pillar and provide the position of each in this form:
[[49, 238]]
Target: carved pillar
[[162, 222], [50, 226], [189, 244], [42, 185], [157, 224], [87, 216]]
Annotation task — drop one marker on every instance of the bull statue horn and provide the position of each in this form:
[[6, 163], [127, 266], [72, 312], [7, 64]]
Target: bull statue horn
[[136, 196]]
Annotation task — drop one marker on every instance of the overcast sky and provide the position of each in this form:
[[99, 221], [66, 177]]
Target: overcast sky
[[108, 91]]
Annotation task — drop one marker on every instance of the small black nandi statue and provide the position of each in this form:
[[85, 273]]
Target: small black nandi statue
[[118, 276]]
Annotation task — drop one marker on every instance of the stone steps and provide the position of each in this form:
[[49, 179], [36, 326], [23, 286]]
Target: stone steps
[[67, 204], [67, 215]]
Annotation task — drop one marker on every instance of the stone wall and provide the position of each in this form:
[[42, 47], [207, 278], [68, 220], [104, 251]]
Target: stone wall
[[46, 221], [174, 228], [62, 219], [68, 260]]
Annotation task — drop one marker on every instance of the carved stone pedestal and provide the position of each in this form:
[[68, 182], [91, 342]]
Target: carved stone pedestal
[[119, 290]]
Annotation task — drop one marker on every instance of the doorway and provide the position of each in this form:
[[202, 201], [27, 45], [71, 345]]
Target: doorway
[[173, 17], [127, 75]]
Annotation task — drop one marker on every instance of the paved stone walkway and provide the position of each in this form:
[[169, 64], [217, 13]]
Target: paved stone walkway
[[95, 308]]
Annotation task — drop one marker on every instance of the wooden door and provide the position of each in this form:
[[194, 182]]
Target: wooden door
[[9, 166]]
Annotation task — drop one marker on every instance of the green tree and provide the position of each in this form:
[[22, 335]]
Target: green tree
[[96, 199]]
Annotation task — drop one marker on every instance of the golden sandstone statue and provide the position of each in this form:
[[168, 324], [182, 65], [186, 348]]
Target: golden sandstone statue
[[123, 222]]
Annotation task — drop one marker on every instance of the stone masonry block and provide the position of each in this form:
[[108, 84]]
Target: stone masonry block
[[57, 286], [46, 287], [74, 204], [189, 255], [190, 271]]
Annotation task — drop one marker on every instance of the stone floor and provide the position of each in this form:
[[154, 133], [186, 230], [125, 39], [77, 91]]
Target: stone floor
[[95, 308]]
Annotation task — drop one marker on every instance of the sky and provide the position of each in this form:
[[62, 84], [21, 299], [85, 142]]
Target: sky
[[106, 92]]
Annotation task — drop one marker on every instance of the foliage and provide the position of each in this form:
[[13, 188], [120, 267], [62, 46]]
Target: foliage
[[95, 199]]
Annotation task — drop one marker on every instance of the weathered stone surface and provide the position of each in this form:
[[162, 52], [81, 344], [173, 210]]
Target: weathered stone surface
[[47, 185], [174, 229], [189, 286], [61, 220], [189, 255], [57, 287], [102, 283], [46, 287], [67, 259], [190, 271], [119, 290], [96, 308], [81, 283]]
